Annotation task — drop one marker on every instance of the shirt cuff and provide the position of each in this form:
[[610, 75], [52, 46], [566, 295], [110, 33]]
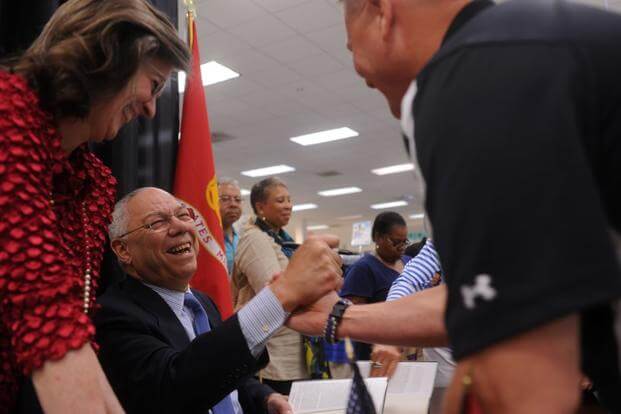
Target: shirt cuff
[[260, 318]]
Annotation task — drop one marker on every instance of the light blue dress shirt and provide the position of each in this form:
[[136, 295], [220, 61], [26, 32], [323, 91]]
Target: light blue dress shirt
[[258, 320], [230, 247]]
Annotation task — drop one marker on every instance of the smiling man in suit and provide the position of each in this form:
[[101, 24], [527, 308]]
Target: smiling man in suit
[[164, 347]]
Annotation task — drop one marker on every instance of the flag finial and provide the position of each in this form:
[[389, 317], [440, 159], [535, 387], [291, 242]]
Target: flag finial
[[190, 7]]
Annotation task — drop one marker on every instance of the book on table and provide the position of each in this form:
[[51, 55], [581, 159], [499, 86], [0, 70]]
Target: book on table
[[408, 391]]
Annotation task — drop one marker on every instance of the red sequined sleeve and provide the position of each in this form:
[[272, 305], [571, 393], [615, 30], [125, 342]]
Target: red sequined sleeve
[[40, 296]]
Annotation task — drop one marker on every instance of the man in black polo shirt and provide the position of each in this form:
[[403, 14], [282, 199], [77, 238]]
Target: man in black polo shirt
[[513, 113]]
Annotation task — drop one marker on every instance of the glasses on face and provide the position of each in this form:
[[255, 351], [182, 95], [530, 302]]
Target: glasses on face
[[398, 243], [157, 88], [162, 222], [230, 199]]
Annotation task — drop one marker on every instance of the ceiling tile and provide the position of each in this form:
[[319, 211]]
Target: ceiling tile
[[310, 16], [263, 31], [317, 65], [277, 76], [292, 49], [229, 13], [277, 5]]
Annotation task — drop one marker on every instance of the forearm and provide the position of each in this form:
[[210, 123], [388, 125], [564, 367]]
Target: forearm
[[75, 383], [416, 320]]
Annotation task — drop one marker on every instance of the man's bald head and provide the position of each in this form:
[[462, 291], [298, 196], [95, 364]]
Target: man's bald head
[[392, 40]]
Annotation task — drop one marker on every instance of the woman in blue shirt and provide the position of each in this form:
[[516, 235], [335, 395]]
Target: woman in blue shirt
[[369, 279]]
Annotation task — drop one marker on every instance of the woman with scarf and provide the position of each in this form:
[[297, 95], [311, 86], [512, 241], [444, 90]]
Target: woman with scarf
[[263, 252]]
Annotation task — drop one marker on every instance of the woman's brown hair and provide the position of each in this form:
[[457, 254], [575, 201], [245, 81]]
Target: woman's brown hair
[[90, 49]]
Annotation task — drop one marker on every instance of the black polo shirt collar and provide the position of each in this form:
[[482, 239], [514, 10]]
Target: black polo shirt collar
[[465, 15]]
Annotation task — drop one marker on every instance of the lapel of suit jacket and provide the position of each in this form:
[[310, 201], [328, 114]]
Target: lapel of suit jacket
[[167, 321]]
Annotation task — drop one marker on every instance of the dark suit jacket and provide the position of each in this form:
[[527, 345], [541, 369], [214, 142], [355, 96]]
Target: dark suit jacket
[[152, 365]]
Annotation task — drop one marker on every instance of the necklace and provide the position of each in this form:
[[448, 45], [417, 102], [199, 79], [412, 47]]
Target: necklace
[[88, 269]]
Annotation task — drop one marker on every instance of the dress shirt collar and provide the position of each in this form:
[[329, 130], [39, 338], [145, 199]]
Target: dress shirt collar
[[173, 298]]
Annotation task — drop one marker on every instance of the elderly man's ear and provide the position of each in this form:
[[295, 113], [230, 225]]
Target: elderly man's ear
[[120, 249]]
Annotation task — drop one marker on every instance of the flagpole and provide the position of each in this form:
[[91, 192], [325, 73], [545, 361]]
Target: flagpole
[[190, 15]]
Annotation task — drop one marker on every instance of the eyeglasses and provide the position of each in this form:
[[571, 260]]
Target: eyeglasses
[[164, 221], [157, 88], [398, 243], [228, 199]]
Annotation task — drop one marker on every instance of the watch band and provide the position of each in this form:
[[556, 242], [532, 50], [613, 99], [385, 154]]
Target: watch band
[[334, 319]]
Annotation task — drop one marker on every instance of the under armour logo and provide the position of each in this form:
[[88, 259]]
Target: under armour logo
[[482, 289]]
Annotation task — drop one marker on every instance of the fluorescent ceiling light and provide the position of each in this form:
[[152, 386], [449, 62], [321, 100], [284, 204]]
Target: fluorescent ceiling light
[[211, 72], [417, 216], [352, 217], [325, 136], [273, 170], [244, 192], [318, 227], [300, 207], [390, 204], [393, 169], [339, 191]]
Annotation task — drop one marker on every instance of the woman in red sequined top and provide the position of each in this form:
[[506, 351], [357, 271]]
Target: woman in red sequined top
[[96, 66]]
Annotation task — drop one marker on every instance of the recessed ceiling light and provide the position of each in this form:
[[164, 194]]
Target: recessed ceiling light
[[244, 192], [417, 216], [393, 169], [318, 227], [211, 72], [339, 191], [390, 204], [275, 169], [352, 217], [325, 136], [300, 207]]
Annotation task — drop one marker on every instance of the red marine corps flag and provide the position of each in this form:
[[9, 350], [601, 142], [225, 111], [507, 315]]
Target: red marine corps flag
[[196, 185]]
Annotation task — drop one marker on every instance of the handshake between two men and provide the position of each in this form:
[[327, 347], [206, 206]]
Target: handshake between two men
[[313, 273]]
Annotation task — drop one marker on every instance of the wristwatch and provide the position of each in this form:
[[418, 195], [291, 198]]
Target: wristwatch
[[334, 319]]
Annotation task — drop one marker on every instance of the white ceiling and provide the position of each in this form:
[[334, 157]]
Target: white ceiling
[[296, 78]]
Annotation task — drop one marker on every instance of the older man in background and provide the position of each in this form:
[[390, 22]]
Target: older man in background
[[230, 211], [163, 345]]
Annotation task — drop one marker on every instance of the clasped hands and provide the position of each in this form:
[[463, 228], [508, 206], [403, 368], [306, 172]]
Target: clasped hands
[[313, 272]]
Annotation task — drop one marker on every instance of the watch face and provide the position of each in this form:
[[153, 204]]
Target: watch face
[[339, 308]]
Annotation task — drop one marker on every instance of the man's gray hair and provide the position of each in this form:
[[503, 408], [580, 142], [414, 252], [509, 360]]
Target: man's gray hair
[[228, 181], [120, 216]]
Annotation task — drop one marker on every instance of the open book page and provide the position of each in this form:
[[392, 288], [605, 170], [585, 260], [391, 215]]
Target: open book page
[[409, 377], [331, 396], [409, 389]]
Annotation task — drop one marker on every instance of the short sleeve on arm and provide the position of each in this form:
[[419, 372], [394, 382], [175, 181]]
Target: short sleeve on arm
[[359, 280], [40, 296], [41, 302], [517, 217]]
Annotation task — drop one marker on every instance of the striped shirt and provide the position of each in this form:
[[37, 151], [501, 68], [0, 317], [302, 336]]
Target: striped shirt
[[258, 319], [417, 273]]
